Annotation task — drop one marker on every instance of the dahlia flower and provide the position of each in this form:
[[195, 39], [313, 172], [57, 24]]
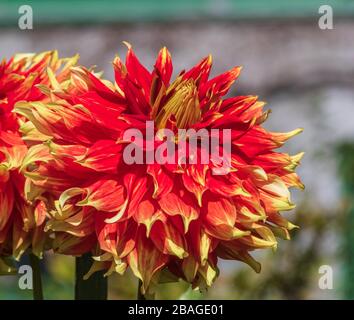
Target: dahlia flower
[[161, 219], [22, 210]]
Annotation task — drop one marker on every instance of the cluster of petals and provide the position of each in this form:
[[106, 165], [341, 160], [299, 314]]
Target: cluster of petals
[[22, 210], [164, 221]]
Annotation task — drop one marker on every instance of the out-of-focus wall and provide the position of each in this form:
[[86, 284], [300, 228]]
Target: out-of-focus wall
[[276, 55]]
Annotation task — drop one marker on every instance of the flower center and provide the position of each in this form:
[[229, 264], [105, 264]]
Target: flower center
[[182, 102]]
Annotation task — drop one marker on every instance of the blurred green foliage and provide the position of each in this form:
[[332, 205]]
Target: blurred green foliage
[[346, 171], [292, 271], [112, 11]]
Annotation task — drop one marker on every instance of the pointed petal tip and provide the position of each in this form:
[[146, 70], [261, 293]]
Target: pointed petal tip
[[209, 59], [296, 132], [298, 157], [127, 44]]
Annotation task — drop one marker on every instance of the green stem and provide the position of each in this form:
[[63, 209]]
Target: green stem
[[140, 296], [37, 280], [94, 288]]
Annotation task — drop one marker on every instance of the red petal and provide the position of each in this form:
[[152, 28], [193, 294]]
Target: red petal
[[179, 204], [220, 218]]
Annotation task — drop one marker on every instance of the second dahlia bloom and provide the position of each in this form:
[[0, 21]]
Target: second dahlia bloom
[[22, 210], [180, 216]]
